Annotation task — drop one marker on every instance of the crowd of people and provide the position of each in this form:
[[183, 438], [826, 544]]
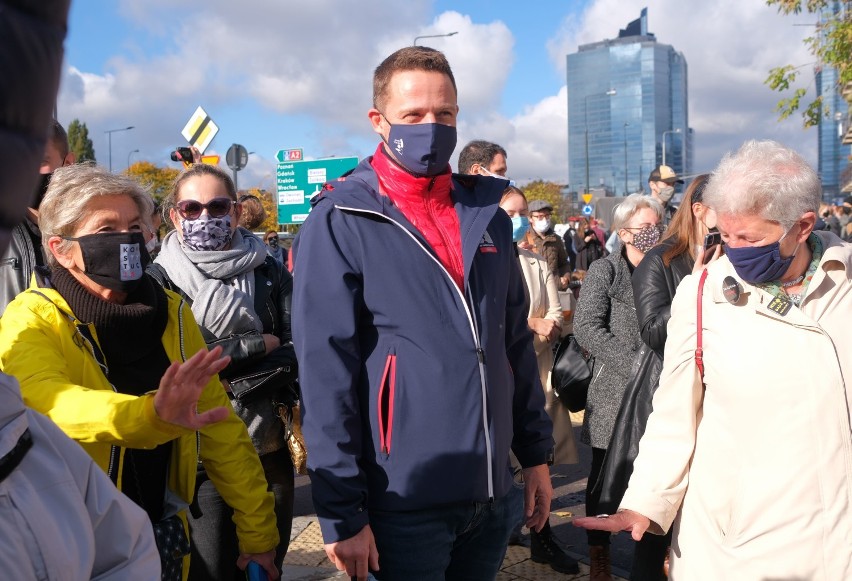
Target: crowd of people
[[422, 314]]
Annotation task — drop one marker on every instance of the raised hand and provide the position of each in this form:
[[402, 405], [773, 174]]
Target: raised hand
[[176, 399]]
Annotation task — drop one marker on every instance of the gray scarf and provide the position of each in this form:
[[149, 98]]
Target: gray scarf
[[220, 283]]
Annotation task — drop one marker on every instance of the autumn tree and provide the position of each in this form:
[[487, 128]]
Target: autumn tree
[[550, 192], [158, 179], [269, 206], [831, 44], [79, 142]]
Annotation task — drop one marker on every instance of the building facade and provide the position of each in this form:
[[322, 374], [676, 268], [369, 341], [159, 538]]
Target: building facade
[[627, 111], [834, 156]]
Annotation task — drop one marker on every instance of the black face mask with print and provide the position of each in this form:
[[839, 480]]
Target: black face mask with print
[[114, 260]]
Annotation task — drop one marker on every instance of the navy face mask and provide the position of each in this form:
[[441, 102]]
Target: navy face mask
[[759, 264], [423, 149]]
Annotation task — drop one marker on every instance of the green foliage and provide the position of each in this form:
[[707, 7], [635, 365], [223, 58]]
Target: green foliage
[[550, 192], [832, 47], [269, 205], [79, 142], [157, 179]]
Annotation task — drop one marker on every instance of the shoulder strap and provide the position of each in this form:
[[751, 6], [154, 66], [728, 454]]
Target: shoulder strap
[[699, 347]]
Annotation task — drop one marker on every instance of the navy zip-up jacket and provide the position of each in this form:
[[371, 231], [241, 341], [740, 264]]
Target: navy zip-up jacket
[[413, 390]]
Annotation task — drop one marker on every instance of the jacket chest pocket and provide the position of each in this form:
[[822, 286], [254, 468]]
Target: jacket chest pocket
[[387, 389]]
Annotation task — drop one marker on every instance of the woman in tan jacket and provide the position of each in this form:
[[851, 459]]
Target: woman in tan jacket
[[753, 469], [545, 322]]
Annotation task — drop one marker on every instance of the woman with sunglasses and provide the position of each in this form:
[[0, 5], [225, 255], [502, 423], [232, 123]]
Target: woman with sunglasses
[[240, 298], [605, 324]]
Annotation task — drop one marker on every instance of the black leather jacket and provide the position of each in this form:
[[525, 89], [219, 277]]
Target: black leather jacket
[[654, 286], [273, 292], [17, 264]]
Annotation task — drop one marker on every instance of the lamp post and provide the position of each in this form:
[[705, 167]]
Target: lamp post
[[626, 125], [609, 93], [664, 142], [110, 132], [416, 38], [128, 157]]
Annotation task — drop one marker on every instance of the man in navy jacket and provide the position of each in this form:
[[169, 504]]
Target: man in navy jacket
[[416, 364]]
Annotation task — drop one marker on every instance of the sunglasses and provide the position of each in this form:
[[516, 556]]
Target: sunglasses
[[216, 208]]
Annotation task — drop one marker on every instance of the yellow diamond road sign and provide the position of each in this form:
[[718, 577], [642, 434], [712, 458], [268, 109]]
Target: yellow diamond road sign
[[200, 130], [587, 198]]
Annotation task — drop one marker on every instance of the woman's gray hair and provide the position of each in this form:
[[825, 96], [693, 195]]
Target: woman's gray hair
[[764, 178], [632, 204], [71, 190]]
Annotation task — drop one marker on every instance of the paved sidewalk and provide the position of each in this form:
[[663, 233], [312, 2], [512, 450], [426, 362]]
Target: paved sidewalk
[[306, 560]]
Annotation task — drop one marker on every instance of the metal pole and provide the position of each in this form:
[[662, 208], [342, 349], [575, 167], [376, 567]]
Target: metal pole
[[416, 38], [110, 150], [128, 157], [625, 157]]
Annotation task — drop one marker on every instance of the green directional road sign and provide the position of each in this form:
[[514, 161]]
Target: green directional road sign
[[300, 181]]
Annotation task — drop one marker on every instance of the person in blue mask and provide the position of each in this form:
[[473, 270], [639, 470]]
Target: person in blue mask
[[747, 452], [417, 367], [545, 324]]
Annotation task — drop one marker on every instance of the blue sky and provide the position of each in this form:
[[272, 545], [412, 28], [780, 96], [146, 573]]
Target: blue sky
[[283, 73]]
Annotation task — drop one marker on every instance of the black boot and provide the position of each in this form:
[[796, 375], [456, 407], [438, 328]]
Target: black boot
[[543, 549]]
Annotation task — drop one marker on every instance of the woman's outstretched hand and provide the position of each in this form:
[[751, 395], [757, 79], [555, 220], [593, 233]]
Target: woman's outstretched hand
[[624, 520], [180, 388]]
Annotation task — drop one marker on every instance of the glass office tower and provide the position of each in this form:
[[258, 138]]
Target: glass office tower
[[833, 155], [627, 109]]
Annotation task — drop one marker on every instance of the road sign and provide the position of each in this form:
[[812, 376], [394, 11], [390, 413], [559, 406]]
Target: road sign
[[237, 157], [587, 198], [200, 130], [588, 209], [210, 159], [300, 181], [285, 155]]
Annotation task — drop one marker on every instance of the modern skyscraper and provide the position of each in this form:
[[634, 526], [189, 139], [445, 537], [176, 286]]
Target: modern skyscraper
[[833, 155], [627, 111]]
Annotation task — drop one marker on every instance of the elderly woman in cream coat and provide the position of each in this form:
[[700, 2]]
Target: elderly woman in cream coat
[[754, 467], [545, 322]]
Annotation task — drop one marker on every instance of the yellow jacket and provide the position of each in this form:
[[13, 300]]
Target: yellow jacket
[[60, 377]]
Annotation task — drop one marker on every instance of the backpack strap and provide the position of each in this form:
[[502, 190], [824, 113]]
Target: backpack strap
[[699, 347]]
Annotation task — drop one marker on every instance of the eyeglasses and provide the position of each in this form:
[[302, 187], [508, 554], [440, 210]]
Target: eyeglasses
[[216, 208]]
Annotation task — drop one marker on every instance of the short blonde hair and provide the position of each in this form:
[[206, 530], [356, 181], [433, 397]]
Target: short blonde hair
[[71, 189]]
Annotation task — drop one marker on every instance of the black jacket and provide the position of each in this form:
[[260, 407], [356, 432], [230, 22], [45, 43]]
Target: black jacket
[[273, 292], [654, 287], [18, 262]]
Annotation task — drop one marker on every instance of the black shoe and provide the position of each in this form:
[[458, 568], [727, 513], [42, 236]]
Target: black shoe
[[519, 539], [543, 549]]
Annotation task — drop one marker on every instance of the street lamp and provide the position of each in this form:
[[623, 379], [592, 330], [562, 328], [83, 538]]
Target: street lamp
[[128, 157], [664, 141], [416, 38], [626, 125], [110, 132], [609, 93]]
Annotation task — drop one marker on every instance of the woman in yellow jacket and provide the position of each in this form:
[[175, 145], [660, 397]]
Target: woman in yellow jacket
[[121, 366]]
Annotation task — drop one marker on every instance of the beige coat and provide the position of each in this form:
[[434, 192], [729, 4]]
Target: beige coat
[[756, 471], [544, 304]]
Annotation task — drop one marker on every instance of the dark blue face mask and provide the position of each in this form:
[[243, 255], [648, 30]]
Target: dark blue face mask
[[424, 148], [759, 264]]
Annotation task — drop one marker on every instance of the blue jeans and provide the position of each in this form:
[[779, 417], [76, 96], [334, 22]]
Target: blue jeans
[[463, 541]]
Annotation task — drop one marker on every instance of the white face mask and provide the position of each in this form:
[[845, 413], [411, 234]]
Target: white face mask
[[541, 225]]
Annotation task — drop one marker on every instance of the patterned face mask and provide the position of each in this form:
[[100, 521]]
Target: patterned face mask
[[206, 233], [646, 238]]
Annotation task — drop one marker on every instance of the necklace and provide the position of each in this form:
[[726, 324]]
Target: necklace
[[793, 282]]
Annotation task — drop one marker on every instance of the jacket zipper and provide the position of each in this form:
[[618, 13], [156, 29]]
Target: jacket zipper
[[480, 353], [386, 396]]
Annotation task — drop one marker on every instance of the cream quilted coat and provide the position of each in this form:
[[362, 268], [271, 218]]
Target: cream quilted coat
[[755, 473]]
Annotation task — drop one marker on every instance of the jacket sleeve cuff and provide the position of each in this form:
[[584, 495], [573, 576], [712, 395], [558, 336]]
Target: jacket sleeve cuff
[[658, 510], [534, 455], [158, 423], [335, 530]]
